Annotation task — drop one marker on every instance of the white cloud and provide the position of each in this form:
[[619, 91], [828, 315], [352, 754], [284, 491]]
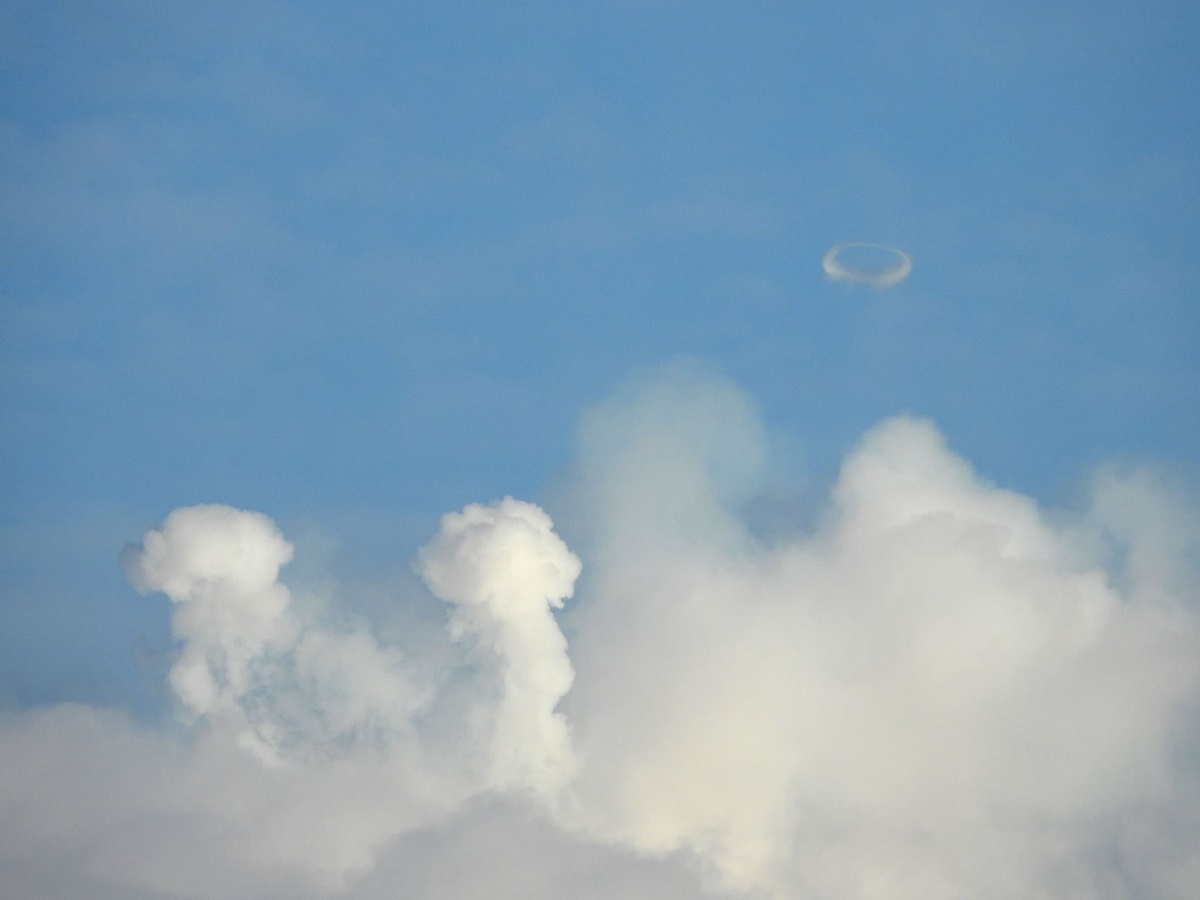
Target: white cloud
[[287, 686], [933, 695], [504, 568], [219, 566], [940, 691]]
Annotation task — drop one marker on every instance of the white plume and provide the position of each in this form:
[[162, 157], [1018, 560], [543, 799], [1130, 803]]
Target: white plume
[[219, 566], [290, 687], [504, 569]]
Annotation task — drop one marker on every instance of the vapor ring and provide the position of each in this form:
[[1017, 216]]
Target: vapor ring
[[885, 277]]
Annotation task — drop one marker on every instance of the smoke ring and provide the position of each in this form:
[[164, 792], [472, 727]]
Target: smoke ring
[[887, 277]]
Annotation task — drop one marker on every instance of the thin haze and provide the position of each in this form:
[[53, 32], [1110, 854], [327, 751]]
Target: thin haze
[[471, 450]]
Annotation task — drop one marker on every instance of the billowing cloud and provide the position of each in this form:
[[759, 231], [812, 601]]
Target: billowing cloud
[[941, 690], [875, 265], [936, 694], [247, 659], [504, 568], [219, 567]]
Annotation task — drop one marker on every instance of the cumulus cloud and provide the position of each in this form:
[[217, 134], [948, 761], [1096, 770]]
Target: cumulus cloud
[[247, 659], [219, 566], [933, 695], [504, 569], [940, 690]]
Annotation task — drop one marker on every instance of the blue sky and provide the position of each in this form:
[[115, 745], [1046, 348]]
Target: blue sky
[[355, 266]]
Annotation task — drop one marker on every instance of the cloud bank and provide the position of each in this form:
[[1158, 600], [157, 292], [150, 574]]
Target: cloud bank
[[941, 690]]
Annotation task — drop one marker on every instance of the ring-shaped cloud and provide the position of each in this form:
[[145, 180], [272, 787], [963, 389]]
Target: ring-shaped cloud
[[890, 269]]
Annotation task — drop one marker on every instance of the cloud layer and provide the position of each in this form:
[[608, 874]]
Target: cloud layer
[[940, 690]]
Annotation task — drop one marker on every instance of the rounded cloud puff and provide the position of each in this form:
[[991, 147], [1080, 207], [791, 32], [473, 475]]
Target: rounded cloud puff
[[504, 556]]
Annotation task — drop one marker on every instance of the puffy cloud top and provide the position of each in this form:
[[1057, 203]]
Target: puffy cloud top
[[505, 556], [200, 545]]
